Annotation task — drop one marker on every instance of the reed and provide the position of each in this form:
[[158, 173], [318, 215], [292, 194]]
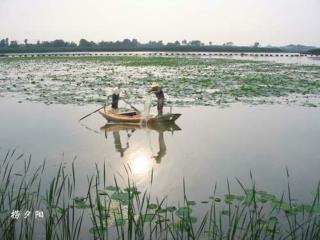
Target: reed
[[108, 211]]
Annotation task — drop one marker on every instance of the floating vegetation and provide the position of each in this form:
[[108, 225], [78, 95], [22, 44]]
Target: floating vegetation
[[108, 212], [186, 80]]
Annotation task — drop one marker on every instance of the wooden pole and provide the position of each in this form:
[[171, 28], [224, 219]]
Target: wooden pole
[[134, 108], [91, 113]]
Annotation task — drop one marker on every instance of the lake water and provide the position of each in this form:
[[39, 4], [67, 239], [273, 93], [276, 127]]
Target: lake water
[[208, 145]]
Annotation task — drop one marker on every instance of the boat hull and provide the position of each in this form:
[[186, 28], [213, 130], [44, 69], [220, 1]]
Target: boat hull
[[113, 116]]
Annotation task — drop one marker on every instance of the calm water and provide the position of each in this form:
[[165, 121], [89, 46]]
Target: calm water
[[208, 145]]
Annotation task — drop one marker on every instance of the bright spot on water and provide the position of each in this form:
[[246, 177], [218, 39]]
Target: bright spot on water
[[140, 164]]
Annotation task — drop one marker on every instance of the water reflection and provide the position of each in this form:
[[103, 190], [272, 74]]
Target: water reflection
[[140, 163], [117, 143], [129, 130], [162, 148]]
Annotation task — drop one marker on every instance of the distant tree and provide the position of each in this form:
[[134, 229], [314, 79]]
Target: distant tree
[[45, 44], [315, 51], [126, 42], [118, 43], [160, 43], [256, 44], [13, 44], [210, 43], [58, 43], [38, 43], [84, 43], [195, 43], [135, 42], [2, 43], [154, 44], [174, 44], [184, 42], [228, 44], [26, 41], [103, 44], [73, 44]]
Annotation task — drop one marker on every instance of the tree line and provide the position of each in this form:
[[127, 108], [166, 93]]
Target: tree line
[[315, 51], [59, 45]]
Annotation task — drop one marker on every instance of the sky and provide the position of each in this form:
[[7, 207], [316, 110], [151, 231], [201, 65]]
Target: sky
[[243, 22]]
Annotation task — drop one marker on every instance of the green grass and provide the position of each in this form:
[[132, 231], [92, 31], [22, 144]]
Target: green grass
[[126, 213], [128, 60]]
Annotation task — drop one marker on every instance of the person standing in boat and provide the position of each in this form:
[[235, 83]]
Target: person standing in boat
[[115, 98], [157, 90]]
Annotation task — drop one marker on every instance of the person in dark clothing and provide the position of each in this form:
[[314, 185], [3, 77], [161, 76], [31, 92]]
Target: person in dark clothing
[[115, 98], [157, 90]]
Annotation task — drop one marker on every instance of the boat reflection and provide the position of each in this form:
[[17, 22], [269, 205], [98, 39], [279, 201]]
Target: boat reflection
[[117, 143], [129, 129], [162, 148]]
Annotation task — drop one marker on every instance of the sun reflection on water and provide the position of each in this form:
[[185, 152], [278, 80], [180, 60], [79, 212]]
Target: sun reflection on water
[[140, 164]]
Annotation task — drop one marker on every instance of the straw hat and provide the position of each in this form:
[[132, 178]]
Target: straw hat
[[154, 87]]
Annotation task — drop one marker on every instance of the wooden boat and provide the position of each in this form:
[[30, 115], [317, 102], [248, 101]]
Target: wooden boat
[[123, 115]]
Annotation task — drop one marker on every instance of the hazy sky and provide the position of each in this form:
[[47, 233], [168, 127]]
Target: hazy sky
[[276, 22]]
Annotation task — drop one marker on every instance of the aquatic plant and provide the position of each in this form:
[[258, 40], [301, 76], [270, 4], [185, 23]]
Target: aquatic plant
[[185, 80], [123, 212]]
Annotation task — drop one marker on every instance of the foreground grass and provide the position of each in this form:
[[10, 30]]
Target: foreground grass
[[126, 213]]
